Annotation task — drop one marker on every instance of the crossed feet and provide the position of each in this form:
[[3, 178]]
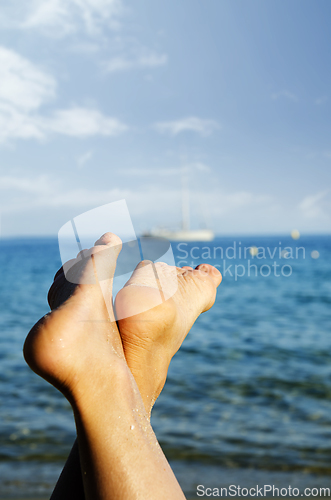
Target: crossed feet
[[79, 343]]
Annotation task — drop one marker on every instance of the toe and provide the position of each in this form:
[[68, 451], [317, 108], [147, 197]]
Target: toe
[[149, 286], [143, 275], [104, 255], [212, 273], [92, 266], [109, 239], [95, 264], [143, 263], [184, 269], [81, 254]]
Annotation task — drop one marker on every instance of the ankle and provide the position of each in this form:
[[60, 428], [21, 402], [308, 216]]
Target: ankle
[[150, 375], [102, 383]]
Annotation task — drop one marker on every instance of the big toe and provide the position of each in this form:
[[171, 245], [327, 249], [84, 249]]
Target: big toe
[[95, 264], [209, 279], [212, 272], [110, 239], [91, 266], [150, 285], [104, 256]]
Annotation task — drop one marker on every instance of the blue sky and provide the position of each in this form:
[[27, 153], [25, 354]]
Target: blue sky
[[108, 99]]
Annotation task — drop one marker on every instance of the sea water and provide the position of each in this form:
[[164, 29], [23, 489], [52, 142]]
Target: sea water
[[248, 396]]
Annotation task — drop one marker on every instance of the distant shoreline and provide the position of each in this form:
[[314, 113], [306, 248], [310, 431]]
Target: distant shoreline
[[217, 236]]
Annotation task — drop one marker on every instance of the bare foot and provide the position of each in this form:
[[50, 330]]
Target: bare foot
[[81, 334], [151, 338], [77, 347], [79, 339]]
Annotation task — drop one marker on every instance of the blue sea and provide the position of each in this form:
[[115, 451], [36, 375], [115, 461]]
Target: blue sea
[[248, 396]]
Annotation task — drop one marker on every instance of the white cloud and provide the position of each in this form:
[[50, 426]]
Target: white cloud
[[191, 124], [286, 94], [81, 198], [236, 212], [311, 205], [22, 84], [49, 192], [62, 17], [146, 59], [48, 15], [37, 185], [25, 88], [15, 124], [21, 193], [77, 122], [81, 122], [91, 20]]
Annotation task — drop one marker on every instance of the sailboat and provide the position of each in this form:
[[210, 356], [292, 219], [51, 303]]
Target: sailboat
[[185, 233]]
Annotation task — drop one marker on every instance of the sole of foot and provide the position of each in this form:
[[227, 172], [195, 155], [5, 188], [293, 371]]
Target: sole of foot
[[157, 307], [79, 340]]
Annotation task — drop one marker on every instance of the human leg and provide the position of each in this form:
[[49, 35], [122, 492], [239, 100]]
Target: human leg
[[77, 348]]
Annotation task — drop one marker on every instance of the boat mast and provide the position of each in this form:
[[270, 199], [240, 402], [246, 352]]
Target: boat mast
[[185, 202]]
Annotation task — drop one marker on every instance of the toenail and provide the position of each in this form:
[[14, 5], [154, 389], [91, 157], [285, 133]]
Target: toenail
[[204, 269], [144, 263]]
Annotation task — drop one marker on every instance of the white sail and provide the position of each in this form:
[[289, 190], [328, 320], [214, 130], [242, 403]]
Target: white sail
[[184, 234]]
